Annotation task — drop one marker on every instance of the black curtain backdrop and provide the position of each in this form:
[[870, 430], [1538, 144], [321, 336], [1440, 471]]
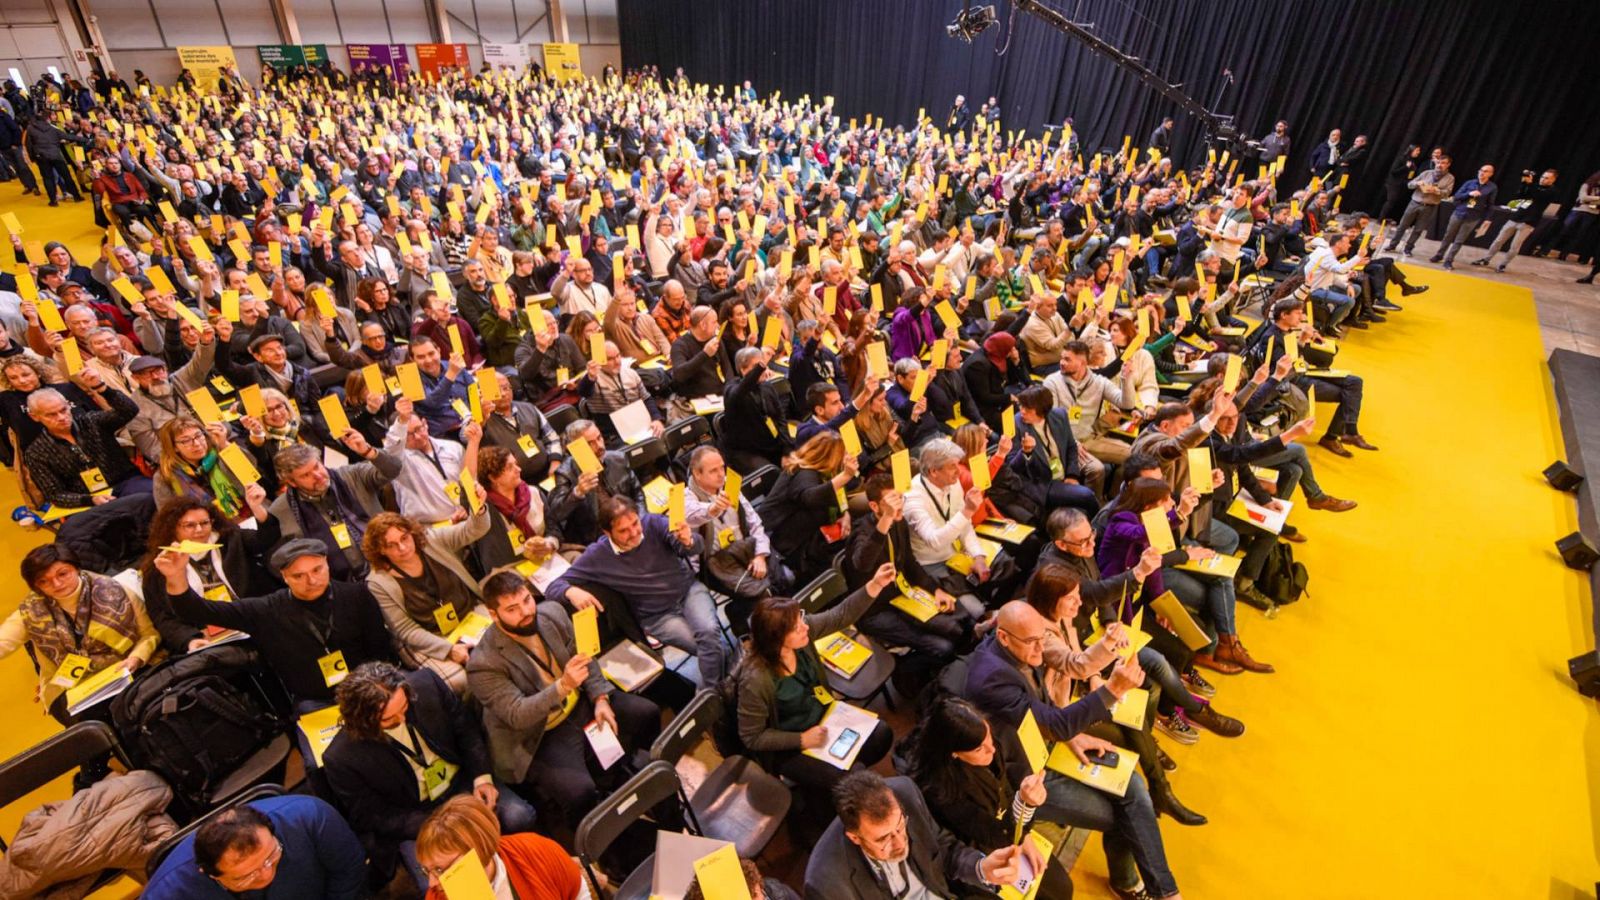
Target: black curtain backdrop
[[1509, 83]]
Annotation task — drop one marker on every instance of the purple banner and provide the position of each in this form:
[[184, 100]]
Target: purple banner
[[365, 56]]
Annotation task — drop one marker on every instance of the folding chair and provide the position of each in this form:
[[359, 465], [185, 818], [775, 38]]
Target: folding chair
[[53, 757], [738, 801], [686, 433], [610, 819], [561, 416], [757, 483], [647, 459]]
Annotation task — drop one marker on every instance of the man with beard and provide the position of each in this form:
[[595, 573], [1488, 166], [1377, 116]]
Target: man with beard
[[539, 694]]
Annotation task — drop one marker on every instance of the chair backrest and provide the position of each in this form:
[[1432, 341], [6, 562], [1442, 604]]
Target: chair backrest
[[757, 483], [716, 424], [686, 433], [259, 792], [684, 731], [55, 756], [655, 783], [821, 592], [646, 456], [561, 416]]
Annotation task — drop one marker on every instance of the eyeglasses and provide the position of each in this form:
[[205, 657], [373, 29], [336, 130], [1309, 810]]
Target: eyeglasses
[[882, 844], [252, 876], [194, 437], [1080, 542], [438, 871]]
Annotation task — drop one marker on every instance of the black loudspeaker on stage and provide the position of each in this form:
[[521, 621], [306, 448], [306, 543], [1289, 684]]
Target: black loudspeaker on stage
[[1585, 670], [1577, 551], [1562, 477]]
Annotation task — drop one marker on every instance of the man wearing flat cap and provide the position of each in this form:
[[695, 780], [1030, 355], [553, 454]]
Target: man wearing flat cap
[[312, 633]]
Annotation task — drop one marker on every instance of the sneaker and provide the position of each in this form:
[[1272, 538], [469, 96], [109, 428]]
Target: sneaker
[[1500, 268], [1388, 307], [1405, 254], [1449, 267], [1436, 259], [1197, 684], [1134, 893], [1247, 593], [1480, 262], [1177, 728]]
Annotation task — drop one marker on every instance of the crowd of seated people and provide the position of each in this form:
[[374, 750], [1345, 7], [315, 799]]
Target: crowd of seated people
[[363, 361]]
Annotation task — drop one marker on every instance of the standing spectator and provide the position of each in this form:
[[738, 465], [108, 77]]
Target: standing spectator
[[1473, 201], [1526, 211]]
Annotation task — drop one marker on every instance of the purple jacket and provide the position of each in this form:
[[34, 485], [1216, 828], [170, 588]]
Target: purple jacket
[[1123, 542], [909, 332]]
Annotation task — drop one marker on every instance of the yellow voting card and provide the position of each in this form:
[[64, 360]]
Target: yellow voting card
[[979, 464], [675, 513], [1158, 529], [920, 386], [1200, 469], [1130, 711], [947, 315], [586, 632], [72, 355], [204, 406], [1033, 743], [238, 462], [939, 353], [456, 347], [877, 360], [583, 455], [851, 438], [1183, 625], [597, 348], [333, 415], [250, 399], [1230, 376], [469, 490], [719, 875], [410, 381], [900, 465], [466, 879], [732, 486]]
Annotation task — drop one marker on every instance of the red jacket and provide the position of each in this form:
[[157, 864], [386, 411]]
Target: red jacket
[[123, 187]]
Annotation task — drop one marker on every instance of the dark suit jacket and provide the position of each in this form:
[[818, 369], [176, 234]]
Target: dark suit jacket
[[1035, 466], [517, 698], [579, 517], [838, 870], [996, 685], [375, 783]]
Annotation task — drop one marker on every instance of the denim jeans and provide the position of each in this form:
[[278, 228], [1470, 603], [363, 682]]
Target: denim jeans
[[1211, 597], [1164, 674], [1132, 836], [1293, 466], [1221, 537], [694, 629], [1340, 304], [1460, 229]]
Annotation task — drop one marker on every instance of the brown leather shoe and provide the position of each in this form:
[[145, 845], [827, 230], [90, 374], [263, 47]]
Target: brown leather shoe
[[1216, 663], [1230, 650], [1293, 537], [1331, 503], [1358, 442], [1333, 445]]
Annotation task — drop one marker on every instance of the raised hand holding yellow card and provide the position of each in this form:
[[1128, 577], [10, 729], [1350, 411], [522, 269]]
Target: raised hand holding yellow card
[[238, 462], [1200, 469], [583, 455]]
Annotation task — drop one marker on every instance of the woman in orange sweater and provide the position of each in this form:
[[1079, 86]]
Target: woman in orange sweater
[[523, 866]]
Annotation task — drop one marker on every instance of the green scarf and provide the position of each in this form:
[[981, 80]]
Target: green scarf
[[214, 476]]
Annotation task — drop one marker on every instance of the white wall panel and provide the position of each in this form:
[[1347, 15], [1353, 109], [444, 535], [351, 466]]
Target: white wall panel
[[497, 20], [602, 18], [128, 24], [26, 12], [318, 24], [190, 22], [363, 21], [408, 19]]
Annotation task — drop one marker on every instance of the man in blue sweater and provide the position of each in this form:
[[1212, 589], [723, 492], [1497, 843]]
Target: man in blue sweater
[[645, 562], [280, 848], [1473, 201]]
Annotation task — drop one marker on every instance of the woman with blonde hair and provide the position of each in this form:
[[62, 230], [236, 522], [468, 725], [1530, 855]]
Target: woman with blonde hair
[[528, 865], [805, 512]]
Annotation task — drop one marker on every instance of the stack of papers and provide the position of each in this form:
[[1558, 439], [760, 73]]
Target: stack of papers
[[97, 688], [842, 654], [916, 603], [1111, 779], [840, 717], [470, 631], [628, 666], [632, 423], [1260, 516], [319, 726]]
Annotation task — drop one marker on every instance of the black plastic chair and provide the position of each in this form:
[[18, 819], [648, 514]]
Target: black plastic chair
[[647, 459], [611, 818], [258, 792], [738, 801], [757, 483], [562, 416], [686, 433], [54, 757], [821, 592]]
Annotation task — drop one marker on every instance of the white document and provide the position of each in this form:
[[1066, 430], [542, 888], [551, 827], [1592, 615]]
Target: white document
[[554, 566], [1260, 516], [632, 423], [628, 666], [607, 748], [843, 717], [673, 868]]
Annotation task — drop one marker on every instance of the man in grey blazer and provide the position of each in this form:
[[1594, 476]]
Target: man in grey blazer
[[885, 844], [539, 694]]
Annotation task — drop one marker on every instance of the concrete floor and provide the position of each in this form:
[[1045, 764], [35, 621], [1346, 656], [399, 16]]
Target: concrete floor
[[1569, 313]]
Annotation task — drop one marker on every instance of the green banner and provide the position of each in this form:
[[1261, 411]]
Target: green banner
[[287, 56]]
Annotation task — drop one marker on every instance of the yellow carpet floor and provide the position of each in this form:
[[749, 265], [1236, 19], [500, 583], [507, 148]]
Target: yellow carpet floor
[[1420, 738]]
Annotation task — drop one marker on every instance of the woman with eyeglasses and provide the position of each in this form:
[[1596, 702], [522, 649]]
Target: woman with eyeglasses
[[236, 568], [191, 466], [528, 866]]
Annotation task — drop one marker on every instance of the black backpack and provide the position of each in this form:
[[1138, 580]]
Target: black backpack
[[1282, 579], [195, 719]]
